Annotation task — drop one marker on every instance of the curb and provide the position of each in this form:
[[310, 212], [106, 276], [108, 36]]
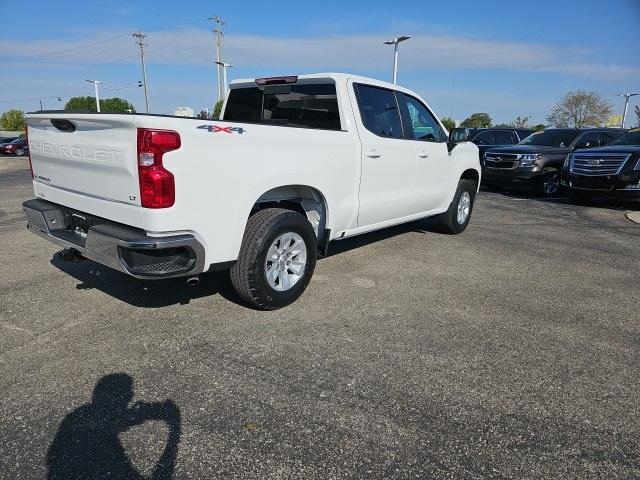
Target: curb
[[633, 216]]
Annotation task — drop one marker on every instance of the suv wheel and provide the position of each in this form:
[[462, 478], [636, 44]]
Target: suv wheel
[[277, 259], [19, 152], [456, 218], [550, 183]]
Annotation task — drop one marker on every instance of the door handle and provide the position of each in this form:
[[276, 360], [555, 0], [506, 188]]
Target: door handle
[[423, 154], [373, 154]]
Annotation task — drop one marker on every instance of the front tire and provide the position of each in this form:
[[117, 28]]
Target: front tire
[[277, 259], [550, 183], [456, 218]]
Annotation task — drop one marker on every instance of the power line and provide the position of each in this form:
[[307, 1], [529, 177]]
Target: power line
[[114, 88], [74, 50], [100, 44]]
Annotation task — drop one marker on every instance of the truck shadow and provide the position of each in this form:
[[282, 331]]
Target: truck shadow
[[162, 293], [143, 293], [426, 225]]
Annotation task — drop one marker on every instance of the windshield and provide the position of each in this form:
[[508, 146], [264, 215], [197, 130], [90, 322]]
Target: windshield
[[17, 140], [551, 138], [632, 137]]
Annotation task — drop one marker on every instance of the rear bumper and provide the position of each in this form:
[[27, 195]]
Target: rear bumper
[[122, 248]]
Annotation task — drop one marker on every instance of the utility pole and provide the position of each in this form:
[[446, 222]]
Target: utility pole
[[626, 96], [219, 37], [95, 86], [140, 41]]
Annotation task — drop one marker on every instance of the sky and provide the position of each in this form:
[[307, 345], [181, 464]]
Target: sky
[[505, 58]]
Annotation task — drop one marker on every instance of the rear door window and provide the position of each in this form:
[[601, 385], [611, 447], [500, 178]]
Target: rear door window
[[379, 111], [589, 140], [304, 105]]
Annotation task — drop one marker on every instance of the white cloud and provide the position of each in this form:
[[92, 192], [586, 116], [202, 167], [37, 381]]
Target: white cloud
[[334, 52]]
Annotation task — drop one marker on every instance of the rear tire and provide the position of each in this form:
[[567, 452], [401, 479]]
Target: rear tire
[[279, 243], [456, 218]]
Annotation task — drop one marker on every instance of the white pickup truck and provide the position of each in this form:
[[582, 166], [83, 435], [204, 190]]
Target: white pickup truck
[[295, 163]]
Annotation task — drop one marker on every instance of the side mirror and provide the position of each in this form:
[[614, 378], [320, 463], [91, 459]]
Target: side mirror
[[457, 135]]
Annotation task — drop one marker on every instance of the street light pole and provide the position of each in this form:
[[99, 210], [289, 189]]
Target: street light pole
[[224, 76], [95, 87], [626, 96], [395, 43]]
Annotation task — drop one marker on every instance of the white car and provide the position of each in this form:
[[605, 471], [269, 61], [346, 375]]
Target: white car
[[295, 163]]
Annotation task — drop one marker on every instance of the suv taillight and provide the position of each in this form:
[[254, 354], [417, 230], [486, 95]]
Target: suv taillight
[[157, 186]]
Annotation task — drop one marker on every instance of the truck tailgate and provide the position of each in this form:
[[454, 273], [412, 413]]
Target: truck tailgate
[[87, 162]]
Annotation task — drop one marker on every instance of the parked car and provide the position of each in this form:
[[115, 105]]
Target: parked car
[[537, 160], [612, 169], [463, 134], [5, 140], [17, 147], [295, 163], [493, 137]]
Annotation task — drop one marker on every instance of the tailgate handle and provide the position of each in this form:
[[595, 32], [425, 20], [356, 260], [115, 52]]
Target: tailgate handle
[[63, 125]]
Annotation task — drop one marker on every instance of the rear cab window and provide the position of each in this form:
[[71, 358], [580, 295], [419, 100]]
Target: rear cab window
[[379, 111], [303, 105]]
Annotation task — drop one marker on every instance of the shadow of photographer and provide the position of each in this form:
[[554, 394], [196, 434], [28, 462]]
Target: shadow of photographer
[[87, 444]]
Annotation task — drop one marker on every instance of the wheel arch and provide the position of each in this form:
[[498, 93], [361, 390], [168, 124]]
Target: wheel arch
[[471, 174], [304, 199]]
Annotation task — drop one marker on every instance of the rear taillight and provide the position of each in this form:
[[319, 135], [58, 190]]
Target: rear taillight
[[26, 137], [157, 186]]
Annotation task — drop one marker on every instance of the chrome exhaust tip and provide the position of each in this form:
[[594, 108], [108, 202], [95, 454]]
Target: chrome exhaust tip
[[193, 281]]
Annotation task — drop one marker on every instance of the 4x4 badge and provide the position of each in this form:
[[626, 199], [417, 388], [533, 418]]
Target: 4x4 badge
[[220, 129]]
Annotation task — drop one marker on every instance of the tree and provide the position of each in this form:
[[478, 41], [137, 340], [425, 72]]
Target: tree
[[477, 120], [637, 110], [107, 105], [580, 109], [448, 123], [217, 110], [540, 127], [13, 120], [521, 122]]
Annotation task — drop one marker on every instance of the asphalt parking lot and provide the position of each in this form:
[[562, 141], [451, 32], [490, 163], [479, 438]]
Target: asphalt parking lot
[[510, 351]]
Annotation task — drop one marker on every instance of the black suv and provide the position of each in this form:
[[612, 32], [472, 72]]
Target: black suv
[[494, 137], [614, 169], [537, 160]]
